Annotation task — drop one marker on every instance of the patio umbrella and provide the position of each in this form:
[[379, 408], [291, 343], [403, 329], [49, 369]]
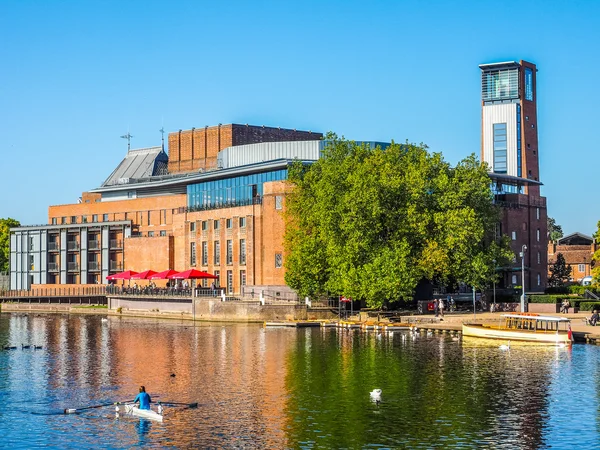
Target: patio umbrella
[[127, 275], [145, 275], [190, 275], [162, 275]]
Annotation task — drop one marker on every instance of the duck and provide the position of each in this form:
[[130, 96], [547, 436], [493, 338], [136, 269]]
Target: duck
[[37, 347], [23, 346], [10, 347], [505, 346]]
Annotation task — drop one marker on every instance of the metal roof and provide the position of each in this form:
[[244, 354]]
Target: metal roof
[[499, 65], [140, 163]]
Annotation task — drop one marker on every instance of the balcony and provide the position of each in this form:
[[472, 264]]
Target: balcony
[[116, 244], [53, 246], [116, 266], [93, 266], [94, 245], [73, 266], [72, 246], [53, 267]]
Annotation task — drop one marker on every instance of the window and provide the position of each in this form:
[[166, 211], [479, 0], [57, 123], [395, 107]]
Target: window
[[514, 280], [163, 232], [537, 213], [229, 257], [31, 266], [149, 222], [242, 251], [217, 273], [581, 267], [230, 282], [164, 217], [204, 225], [204, 253], [94, 217], [192, 227], [83, 219], [73, 219], [524, 226], [514, 236], [63, 220], [192, 254], [539, 279], [500, 165], [217, 253], [242, 278], [150, 233], [539, 257], [104, 217], [229, 223], [130, 194], [216, 225], [278, 202], [30, 242], [54, 221], [278, 260], [242, 222], [537, 234]]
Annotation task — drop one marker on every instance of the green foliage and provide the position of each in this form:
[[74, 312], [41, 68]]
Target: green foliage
[[589, 306], [5, 226], [370, 224], [555, 231], [596, 259], [546, 298], [560, 272]]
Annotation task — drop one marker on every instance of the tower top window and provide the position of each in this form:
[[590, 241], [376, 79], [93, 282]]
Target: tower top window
[[500, 83]]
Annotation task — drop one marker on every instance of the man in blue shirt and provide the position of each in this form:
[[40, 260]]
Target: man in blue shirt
[[143, 398]]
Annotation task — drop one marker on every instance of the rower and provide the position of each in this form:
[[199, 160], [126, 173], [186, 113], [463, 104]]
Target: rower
[[143, 398]]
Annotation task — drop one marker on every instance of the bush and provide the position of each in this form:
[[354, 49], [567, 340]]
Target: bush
[[545, 298], [589, 306]]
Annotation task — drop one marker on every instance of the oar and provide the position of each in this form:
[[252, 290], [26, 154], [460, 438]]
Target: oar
[[189, 405], [76, 410]]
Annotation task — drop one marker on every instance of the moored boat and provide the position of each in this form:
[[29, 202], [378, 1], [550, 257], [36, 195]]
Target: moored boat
[[144, 413], [528, 327]]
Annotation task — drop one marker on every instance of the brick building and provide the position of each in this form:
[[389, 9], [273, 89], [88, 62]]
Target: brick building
[[214, 203], [577, 249], [510, 148]]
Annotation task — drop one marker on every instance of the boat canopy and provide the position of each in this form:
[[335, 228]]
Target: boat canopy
[[536, 317]]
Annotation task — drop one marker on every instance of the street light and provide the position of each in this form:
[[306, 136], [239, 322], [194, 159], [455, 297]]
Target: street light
[[522, 255], [494, 281]]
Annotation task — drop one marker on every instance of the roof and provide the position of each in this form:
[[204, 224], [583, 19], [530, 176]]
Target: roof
[[140, 163], [499, 65], [575, 239]]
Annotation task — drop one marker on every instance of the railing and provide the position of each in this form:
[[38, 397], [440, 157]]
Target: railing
[[590, 294], [70, 291], [72, 266], [232, 204], [93, 265], [116, 265], [116, 243], [72, 245], [94, 245], [52, 246], [53, 267], [148, 291]]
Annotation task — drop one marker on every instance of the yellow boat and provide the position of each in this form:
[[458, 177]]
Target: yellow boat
[[527, 327]]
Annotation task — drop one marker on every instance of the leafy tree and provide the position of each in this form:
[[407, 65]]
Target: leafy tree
[[5, 226], [560, 272], [596, 257], [370, 223], [555, 231]]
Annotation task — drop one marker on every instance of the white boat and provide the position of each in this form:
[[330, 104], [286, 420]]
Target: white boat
[[527, 327], [131, 410]]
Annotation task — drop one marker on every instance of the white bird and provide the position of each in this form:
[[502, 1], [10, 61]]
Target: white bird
[[505, 346], [376, 395], [104, 319]]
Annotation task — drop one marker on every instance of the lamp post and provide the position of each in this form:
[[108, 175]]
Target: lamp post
[[494, 281], [522, 255]]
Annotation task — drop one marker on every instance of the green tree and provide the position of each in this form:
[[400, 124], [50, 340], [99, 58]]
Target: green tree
[[370, 223], [555, 231], [560, 272], [5, 226]]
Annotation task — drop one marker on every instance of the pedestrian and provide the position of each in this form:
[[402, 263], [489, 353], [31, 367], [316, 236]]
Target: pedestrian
[[594, 319], [441, 307], [435, 307]]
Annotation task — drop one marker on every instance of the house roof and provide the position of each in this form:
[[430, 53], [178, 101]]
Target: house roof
[[140, 163], [575, 239]]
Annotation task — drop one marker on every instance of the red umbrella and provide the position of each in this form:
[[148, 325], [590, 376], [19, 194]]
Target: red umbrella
[[190, 274], [145, 275], [127, 275], [163, 275]]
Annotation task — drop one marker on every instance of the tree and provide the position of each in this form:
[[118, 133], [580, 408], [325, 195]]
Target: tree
[[560, 272], [5, 226], [555, 231], [371, 224]]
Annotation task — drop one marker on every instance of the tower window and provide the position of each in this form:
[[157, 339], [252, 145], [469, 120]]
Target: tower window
[[500, 165]]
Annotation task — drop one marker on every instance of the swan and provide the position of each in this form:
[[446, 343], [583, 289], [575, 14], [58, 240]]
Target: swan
[[104, 319], [505, 346], [375, 395]]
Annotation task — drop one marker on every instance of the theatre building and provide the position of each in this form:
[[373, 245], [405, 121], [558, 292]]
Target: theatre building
[[510, 148], [214, 203]]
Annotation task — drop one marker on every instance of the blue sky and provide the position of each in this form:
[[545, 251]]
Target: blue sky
[[76, 75]]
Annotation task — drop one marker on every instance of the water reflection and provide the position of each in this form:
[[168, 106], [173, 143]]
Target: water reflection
[[274, 388]]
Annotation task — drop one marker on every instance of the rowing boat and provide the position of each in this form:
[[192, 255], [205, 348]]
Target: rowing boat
[[131, 410]]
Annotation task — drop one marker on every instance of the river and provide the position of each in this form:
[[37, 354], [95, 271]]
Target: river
[[287, 388]]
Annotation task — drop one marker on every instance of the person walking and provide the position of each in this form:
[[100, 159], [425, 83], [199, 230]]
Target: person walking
[[441, 307], [435, 306]]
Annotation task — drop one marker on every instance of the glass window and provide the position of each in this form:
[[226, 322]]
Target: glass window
[[539, 257], [581, 267], [149, 222], [54, 221], [104, 217], [230, 282], [192, 227], [94, 217], [204, 225], [242, 278], [242, 222], [514, 236], [63, 220], [229, 257], [73, 219], [242, 251], [278, 260], [163, 232], [229, 223], [528, 84], [537, 213], [514, 280], [217, 273], [30, 242], [192, 254], [217, 253], [539, 279], [204, 253], [278, 202], [150, 233], [500, 164], [216, 224], [537, 234]]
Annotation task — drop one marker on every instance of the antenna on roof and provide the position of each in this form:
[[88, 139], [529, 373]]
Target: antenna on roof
[[127, 136], [162, 133]]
